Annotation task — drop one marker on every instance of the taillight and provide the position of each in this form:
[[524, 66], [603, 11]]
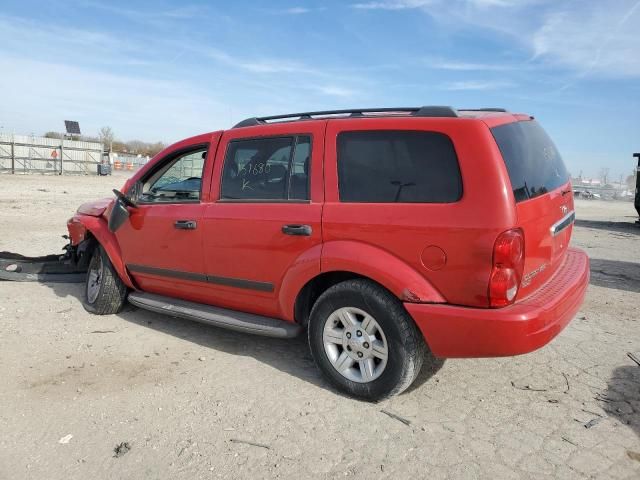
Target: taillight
[[508, 263]]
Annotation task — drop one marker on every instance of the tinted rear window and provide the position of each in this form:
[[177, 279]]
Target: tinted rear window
[[384, 166], [533, 161]]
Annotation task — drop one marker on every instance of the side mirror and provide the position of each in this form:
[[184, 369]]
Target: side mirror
[[119, 212], [119, 215]]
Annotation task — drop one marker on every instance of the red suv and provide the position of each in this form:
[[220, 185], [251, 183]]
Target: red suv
[[384, 232]]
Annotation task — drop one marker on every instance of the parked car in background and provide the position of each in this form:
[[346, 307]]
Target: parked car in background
[[382, 232]]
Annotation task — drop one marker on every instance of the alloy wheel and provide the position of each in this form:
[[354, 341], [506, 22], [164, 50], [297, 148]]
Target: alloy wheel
[[355, 344]]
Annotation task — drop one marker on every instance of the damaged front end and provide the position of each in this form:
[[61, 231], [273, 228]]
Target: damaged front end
[[68, 267]]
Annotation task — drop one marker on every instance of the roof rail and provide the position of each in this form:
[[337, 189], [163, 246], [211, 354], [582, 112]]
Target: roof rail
[[429, 111], [488, 109]]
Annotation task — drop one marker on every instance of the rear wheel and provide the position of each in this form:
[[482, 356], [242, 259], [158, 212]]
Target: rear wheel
[[104, 292], [364, 341]]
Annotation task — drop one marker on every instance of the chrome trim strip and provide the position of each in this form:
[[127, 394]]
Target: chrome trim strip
[[563, 223]]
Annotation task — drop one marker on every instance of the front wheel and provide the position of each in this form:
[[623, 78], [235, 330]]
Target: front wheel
[[104, 292], [364, 341]]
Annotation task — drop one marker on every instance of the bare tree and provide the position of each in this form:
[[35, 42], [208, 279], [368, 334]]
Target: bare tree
[[154, 148], [53, 135], [604, 176], [106, 137], [143, 148], [136, 146]]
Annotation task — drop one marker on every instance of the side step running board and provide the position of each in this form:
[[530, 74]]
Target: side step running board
[[219, 317]]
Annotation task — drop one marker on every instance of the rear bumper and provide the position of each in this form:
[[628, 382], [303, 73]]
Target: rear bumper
[[527, 325]]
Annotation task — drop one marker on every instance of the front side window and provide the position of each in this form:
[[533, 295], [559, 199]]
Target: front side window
[[387, 166], [178, 180], [275, 168]]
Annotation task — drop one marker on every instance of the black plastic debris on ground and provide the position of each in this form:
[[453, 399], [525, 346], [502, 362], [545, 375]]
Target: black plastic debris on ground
[[592, 423], [121, 449]]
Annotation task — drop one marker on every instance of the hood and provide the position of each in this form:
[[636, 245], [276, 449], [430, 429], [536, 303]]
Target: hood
[[94, 208]]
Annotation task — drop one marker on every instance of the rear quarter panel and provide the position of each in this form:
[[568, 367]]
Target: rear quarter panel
[[465, 230]]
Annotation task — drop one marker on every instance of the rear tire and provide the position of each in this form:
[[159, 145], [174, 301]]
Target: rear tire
[[104, 292], [364, 341]]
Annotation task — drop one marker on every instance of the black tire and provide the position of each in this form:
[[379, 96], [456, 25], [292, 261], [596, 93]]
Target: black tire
[[106, 294], [406, 346]]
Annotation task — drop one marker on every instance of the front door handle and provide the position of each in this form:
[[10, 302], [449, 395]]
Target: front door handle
[[302, 230], [185, 224]]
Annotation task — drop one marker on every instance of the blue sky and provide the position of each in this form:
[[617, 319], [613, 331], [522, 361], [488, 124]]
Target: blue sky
[[166, 70]]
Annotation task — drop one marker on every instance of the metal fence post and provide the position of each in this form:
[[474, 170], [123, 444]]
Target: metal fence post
[[24, 164], [13, 155], [637, 199], [62, 157]]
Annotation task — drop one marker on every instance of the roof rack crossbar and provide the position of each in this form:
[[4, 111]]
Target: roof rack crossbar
[[429, 111]]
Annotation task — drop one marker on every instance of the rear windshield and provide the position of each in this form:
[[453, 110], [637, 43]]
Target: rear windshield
[[389, 166], [533, 161]]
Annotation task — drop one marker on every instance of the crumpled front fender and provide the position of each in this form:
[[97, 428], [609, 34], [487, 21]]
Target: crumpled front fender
[[78, 226], [95, 208]]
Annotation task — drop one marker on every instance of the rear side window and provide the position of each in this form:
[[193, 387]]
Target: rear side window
[[271, 168], [385, 166], [534, 164]]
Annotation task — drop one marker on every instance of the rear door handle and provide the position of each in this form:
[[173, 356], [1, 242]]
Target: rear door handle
[[302, 230], [185, 224]]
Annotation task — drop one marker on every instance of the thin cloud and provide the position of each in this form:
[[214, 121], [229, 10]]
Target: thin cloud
[[596, 40], [442, 64], [588, 37], [335, 91], [131, 97], [273, 66], [254, 65], [476, 85], [95, 97], [18, 34], [392, 5], [298, 10], [495, 3], [150, 16], [413, 4]]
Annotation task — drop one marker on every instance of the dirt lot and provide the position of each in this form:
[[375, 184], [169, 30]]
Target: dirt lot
[[197, 402]]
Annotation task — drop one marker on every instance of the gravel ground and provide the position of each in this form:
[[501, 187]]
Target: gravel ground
[[193, 401]]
